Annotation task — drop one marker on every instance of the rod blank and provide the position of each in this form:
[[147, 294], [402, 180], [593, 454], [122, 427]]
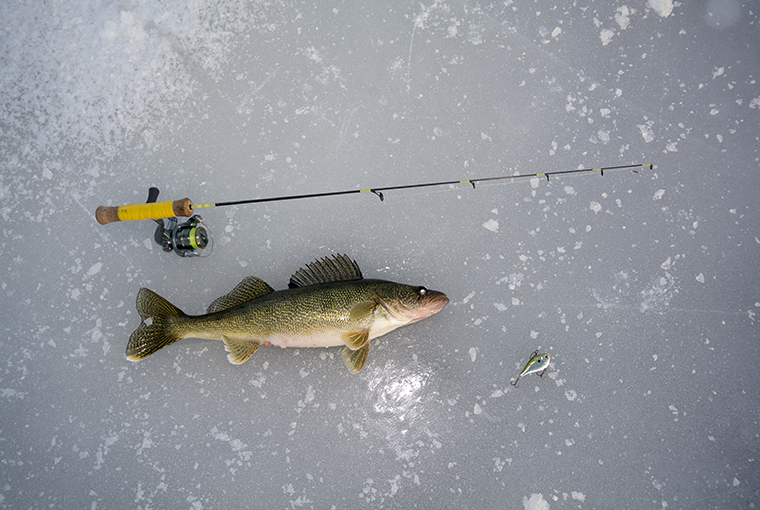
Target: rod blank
[[185, 207]]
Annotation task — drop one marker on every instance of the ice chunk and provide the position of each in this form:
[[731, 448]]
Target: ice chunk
[[535, 502], [492, 225], [661, 7]]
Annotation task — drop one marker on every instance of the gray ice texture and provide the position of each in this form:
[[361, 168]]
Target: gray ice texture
[[643, 287]]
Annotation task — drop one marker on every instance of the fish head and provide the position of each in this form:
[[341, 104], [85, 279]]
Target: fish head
[[408, 304], [538, 363], [544, 360]]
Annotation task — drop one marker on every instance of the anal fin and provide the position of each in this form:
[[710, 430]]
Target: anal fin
[[355, 360], [239, 350]]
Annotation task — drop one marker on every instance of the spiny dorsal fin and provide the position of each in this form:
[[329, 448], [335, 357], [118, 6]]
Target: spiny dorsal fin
[[239, 350], [339, 268], [251, 287], [355, 360]]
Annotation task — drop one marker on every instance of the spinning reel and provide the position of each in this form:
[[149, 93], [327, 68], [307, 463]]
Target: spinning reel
[[191, 238]]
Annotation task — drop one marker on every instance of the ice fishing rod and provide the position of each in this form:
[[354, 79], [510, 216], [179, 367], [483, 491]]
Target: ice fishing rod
[[187, 239]]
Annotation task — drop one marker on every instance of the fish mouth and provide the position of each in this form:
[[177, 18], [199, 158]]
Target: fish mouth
[[433, 303]]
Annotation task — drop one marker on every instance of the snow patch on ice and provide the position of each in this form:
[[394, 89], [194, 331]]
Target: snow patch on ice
[[535, 502], [95, 269], [606, 36], [662, 7], [492, 225], [646, 132], [621, 17]]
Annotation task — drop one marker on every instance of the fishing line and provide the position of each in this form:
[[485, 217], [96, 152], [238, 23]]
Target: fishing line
[[515, 179], [192, 238], [473, 182]]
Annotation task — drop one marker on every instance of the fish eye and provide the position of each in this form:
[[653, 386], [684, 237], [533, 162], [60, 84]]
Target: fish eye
[[422, 291]]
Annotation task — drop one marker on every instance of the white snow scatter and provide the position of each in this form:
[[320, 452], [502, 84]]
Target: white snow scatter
[[646, 132], [661, 7], [232, 100], [535, 502], [492, 225], [578, 496], [606, 36], [622, 17]]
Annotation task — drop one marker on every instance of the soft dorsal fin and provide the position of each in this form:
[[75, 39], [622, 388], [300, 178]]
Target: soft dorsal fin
[[339, 268], [251, 287]]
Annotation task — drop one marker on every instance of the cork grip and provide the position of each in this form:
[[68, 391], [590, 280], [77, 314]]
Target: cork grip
[[153, 211]]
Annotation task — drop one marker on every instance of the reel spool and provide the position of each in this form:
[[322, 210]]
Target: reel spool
[[191, 238]]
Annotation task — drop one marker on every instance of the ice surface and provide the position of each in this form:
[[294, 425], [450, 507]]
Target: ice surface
[[644, 287]]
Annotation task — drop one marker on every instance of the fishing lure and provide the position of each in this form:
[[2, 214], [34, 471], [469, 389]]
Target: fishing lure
[[536, 363]]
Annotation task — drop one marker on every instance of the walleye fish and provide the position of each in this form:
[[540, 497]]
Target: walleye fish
[[326, 304], [536, 363]]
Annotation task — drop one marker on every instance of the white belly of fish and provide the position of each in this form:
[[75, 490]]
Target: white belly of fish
[[325, 339], [330, 338]]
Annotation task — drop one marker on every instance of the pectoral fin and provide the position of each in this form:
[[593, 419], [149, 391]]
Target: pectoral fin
[[355, 360], [239, 350], [360, 311], [356, 339]]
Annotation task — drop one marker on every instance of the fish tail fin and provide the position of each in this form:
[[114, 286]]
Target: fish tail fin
[[157, 328]]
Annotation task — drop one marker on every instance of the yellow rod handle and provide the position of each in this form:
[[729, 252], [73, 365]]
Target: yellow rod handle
[[154, 211]]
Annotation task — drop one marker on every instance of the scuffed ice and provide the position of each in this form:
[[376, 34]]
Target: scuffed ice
[[643, 286]]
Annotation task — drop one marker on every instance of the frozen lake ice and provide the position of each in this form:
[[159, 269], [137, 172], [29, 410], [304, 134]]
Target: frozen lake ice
[[643, 287]]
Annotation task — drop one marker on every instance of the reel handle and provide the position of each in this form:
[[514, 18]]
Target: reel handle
[[152, 211]]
